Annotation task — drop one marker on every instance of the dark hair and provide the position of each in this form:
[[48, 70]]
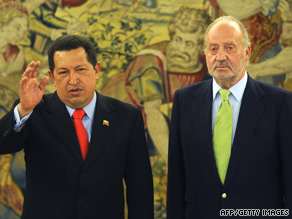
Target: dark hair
[[69, 42]]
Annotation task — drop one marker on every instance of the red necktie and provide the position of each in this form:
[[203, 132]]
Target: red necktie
[[81, 131]]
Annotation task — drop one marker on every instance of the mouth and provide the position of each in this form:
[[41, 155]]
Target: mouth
[[75, 91], [221, 67]]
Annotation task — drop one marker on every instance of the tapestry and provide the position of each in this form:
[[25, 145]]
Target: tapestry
[[147, 49]]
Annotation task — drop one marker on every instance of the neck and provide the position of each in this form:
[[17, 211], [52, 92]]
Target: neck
[[227, 83]]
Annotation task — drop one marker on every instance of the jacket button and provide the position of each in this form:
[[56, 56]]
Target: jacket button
[[224, 195]]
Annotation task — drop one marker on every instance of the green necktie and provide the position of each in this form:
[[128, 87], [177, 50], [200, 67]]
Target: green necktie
[[222, 135]]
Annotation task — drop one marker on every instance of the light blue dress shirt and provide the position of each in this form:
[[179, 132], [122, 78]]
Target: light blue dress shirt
[[235, 99], [87, 119]]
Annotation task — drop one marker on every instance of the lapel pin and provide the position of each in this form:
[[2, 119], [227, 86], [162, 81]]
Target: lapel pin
[[105, 122]]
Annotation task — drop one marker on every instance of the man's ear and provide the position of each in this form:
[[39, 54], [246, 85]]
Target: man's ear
[[248, 52], [51, 76], [97, 70]]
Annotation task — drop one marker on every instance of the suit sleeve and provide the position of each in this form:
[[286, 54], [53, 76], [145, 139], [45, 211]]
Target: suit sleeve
[[285, 133], [176, 171], [138, 176], [10, 141]]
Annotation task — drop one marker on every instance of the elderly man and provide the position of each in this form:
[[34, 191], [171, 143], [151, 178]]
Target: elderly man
[[230, 137]]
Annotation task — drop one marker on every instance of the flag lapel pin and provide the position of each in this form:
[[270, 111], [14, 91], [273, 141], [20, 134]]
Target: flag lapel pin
[[105, 122]]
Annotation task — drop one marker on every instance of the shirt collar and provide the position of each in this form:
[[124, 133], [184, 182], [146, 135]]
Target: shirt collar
[[237, 90], [89, 109]]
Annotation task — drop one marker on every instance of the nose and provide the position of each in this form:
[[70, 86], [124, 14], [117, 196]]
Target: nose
[[73, 78], [221, 55]]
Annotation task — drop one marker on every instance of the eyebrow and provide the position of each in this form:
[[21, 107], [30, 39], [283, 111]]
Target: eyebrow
[[78, 66], [83, 65], [225, 43], [228, 43], [58, 69]]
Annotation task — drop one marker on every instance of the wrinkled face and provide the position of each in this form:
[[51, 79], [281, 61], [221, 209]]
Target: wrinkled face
[[225, 55], [14, 31], [74, 77], [183, 51]]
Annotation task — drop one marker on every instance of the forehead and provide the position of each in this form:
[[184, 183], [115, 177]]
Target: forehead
[[72, 57], [224, 33]]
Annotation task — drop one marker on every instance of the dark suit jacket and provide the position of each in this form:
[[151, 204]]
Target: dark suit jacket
[[259, 175], [60, 185]]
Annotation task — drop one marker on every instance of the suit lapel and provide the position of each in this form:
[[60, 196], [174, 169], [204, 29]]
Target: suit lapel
[[59, 119], [202, 112], [100, 131], [250, 112]]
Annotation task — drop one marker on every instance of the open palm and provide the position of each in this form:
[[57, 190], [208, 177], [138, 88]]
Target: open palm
[[30, 92]]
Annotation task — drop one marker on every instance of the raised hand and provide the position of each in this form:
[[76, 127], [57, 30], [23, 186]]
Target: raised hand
[[30, 92]]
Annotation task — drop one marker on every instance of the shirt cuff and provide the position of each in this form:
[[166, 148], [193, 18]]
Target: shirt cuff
[[19, 123]]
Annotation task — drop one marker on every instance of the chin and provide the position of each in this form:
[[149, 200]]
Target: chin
[[223, 76]]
